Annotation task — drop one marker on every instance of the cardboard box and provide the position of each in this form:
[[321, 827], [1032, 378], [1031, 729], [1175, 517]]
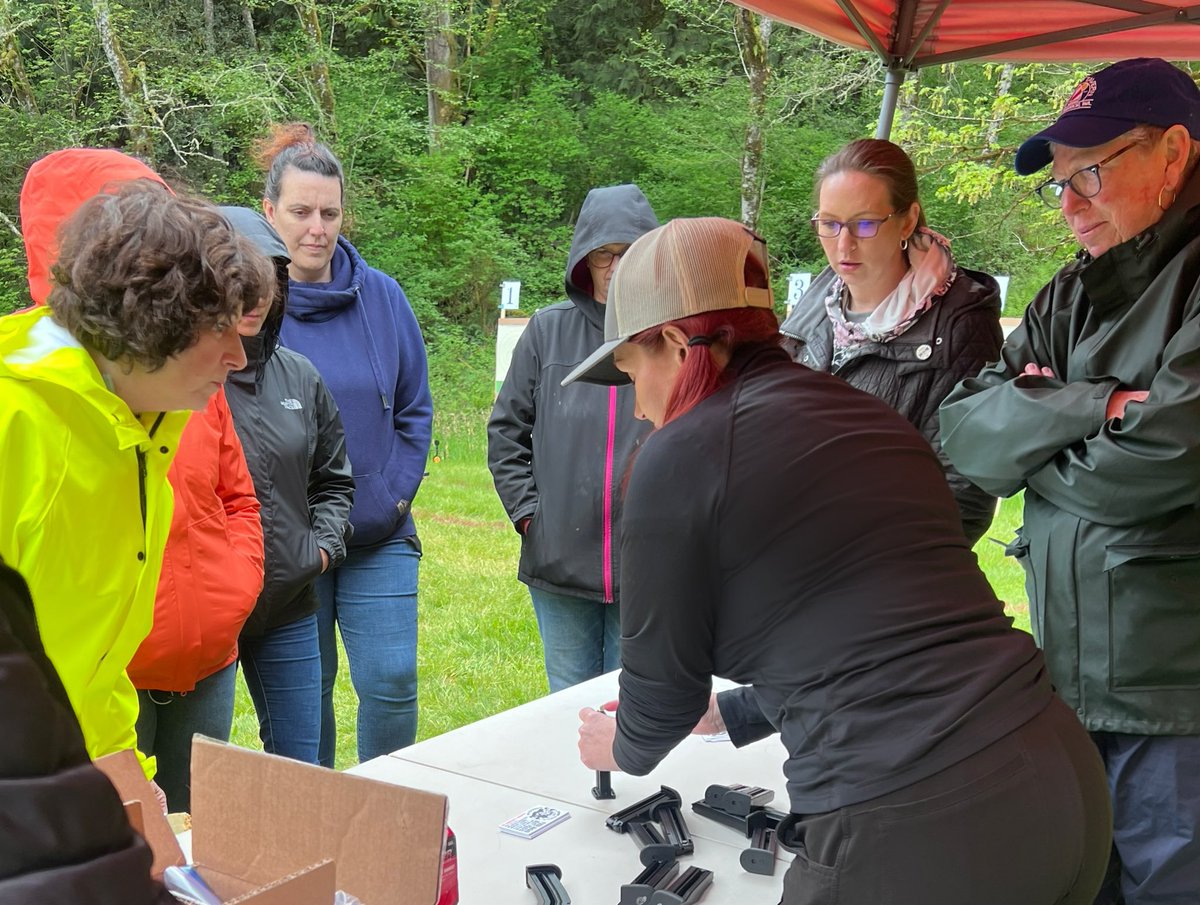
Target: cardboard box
[[269, 831]]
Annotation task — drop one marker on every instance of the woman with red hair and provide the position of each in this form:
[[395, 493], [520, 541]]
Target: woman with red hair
[[797, 536]]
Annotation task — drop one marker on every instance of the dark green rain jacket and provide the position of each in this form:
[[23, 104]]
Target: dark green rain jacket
[[1111, 540]]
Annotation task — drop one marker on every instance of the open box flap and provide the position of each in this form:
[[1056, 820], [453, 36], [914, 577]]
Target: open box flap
[[257, 816], [125, 773]]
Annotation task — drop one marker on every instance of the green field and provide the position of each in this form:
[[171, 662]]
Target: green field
[[479, 651]]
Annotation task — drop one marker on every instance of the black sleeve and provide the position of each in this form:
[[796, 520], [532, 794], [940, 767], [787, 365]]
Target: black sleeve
[[510, 428], [330, 482], [743, 717], [670, 586], [64, 836], [974, 341]]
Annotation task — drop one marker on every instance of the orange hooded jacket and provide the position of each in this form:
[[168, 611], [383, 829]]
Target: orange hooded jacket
[[213, 565]]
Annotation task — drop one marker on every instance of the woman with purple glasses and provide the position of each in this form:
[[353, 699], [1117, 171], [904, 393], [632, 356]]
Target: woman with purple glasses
[[892, 314]]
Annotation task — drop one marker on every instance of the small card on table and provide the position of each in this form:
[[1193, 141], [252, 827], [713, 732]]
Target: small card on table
[[534, 822]]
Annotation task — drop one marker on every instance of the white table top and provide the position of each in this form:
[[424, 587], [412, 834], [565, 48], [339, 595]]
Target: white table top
[[594, 860], [496, 768], [535, 747]]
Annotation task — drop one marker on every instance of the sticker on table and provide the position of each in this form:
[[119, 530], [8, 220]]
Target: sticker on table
[[534, 822]]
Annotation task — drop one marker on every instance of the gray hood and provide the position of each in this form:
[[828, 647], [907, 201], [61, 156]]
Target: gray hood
[[253, 226], [616, 213]]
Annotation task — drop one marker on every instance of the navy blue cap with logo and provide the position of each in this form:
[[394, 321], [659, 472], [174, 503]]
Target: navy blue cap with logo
[[1144, 91]]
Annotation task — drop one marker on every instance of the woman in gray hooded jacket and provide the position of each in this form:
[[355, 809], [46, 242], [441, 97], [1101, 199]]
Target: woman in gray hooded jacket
[[559, 455]]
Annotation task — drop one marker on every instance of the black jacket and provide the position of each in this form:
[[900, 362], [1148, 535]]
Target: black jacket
[[958, 336], [559, 455], [296, 450], [845, 595], [64, 836], [1111, 540]]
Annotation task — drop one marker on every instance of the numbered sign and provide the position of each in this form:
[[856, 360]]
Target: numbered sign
[[798, 284], [510, 295]]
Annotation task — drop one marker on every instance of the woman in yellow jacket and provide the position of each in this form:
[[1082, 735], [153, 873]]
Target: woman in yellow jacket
[[94, 392]]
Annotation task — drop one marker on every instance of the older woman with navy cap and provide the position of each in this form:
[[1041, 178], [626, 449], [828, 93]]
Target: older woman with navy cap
[[1094, 410]]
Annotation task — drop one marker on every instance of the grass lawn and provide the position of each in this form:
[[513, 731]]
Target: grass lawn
[[479, 651]]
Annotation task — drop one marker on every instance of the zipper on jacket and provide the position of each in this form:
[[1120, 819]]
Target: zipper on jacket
[[141, 460], [608, 493]]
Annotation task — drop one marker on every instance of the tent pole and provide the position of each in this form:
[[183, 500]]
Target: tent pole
[[891, 93]]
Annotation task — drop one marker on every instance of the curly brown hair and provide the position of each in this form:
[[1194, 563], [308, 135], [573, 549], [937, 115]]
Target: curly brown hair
[[142, 271]]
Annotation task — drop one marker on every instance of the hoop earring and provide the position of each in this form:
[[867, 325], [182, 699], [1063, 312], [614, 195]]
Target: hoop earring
[[904, 244], [1174, 195]]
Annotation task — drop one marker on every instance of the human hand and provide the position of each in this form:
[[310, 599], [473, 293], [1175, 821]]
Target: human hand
[[1033, 370], [712, 722], [159, 795], [1121, 398], [324, 560], [523, 526], [597, 730]]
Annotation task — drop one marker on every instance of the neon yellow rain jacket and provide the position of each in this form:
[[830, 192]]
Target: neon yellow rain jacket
[[84, 512]]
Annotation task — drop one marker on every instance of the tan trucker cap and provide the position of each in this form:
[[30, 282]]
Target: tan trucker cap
[[685, 267]]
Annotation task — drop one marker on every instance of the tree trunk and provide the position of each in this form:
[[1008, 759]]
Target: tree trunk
[[754, 38], [210, 32], [11, 63], [1002, 91], [318, 70], [126, 81], [440, 76], [248, 21]]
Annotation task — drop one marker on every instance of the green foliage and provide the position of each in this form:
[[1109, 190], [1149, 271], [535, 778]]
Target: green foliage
[[549, 98], [962, 124]]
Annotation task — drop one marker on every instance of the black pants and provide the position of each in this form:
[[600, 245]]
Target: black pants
[[1026, 821]]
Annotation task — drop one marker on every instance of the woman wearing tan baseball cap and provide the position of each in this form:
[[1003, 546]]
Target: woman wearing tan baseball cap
[[797, 536]]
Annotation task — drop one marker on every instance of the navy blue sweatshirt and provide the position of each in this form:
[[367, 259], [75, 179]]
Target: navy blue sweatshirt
[[361, 333]]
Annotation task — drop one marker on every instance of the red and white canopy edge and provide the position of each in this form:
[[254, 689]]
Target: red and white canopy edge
[[910, 34]]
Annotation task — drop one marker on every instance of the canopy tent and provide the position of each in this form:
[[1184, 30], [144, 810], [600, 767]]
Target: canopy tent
[[910, 34]]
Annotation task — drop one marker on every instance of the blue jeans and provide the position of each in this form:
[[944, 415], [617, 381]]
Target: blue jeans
[[1155, 785], [372, 598], [581, 638], [168, 719], [283, 675]]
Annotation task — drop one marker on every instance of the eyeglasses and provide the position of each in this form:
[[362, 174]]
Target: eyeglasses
[[1085, 183], [602, 257], [860, 229]]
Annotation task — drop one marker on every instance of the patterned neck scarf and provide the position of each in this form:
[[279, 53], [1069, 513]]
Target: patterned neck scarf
[[930, 274]]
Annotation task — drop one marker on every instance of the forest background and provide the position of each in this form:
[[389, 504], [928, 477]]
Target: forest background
[[471, 131]]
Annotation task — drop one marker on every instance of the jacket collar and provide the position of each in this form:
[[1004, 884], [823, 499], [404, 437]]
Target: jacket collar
[[1122, 274], [35, 348]]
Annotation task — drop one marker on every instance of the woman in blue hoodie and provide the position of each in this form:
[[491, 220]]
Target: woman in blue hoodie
[[355, 324]]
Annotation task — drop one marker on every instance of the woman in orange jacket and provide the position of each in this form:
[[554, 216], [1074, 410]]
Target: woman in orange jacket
[[213, 565]]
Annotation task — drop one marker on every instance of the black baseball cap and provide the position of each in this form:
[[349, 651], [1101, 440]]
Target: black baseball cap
[[1143, 91]]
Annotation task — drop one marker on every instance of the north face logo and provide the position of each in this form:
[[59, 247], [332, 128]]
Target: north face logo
[[291, 404]]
